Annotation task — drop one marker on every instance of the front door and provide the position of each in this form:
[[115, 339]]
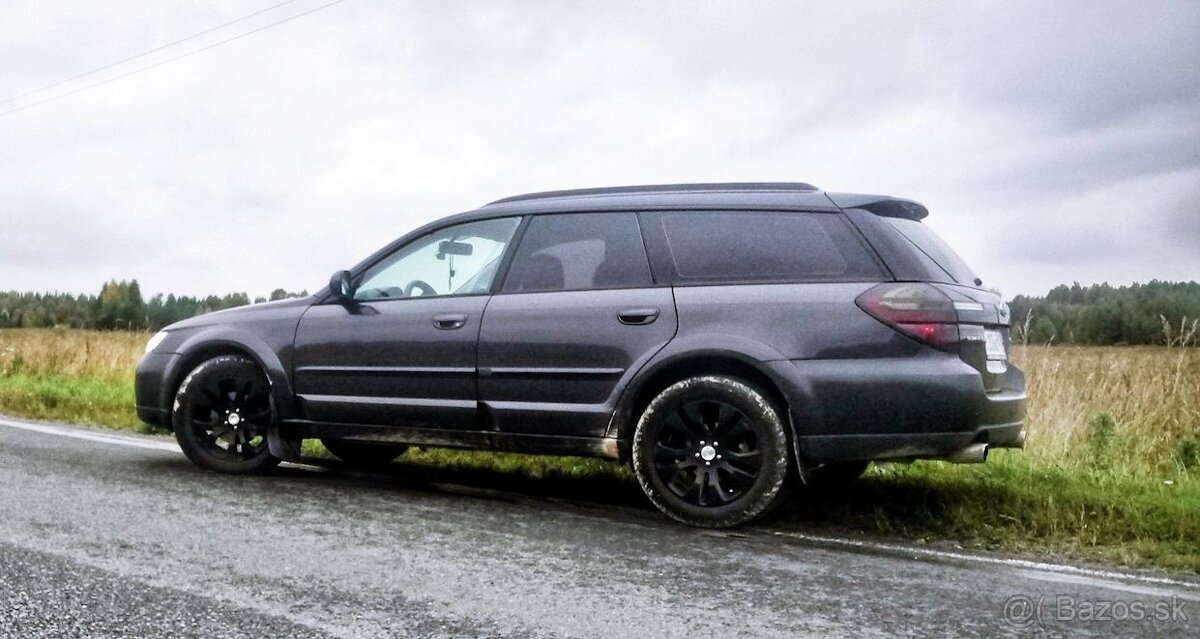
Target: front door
[[403, 352], [577, 315]]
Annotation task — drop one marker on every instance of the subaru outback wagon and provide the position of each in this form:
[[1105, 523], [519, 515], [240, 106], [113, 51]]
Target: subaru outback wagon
[[729, 341]]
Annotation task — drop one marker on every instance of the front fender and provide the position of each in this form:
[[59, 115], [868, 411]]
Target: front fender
[[217, 340]]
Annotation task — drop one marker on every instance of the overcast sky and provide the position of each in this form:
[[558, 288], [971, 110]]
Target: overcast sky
[[1051, 141]]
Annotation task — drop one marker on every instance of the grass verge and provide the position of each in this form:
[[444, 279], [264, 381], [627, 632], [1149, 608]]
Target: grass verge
[[82, 401], [1019, 505]]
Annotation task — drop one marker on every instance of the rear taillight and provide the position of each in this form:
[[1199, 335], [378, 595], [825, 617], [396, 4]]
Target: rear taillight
[[918, 310]]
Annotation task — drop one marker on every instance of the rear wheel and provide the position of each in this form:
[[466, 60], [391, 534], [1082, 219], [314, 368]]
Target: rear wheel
[[712, 451], [222, 412], [364, 453]]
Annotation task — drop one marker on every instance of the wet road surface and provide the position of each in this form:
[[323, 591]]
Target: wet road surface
[[120, 536]]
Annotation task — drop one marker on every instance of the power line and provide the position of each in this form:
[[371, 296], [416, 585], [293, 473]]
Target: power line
[[143, 54], [170, 60]]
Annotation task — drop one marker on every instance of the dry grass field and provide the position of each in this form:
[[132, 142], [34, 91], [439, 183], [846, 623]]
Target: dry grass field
[[94, 355], [1151, 396], [1111, 471]]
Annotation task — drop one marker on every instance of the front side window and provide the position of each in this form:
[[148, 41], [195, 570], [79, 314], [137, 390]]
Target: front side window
[[579, 251], [457, 260], [761, 246]]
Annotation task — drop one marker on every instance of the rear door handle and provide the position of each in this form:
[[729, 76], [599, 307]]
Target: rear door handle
[[449, 322], [638, 316]]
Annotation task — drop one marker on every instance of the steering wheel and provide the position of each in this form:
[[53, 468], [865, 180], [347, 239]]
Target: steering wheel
[[418, 284]]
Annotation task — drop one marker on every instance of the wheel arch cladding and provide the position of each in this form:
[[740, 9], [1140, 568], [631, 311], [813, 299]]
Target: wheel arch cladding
[[209, 344], [658, 376]]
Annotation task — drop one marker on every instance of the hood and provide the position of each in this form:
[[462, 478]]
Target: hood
[[278, 309]]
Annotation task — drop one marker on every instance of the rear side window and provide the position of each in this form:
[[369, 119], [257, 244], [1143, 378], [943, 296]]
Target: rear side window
[[759, 246], [932, 247], [579, 251]]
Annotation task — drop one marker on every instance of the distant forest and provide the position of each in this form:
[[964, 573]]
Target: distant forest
[[1097, 314], [1103, 314], [119, 305]]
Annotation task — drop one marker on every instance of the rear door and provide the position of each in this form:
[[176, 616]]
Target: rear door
[[577, 315]]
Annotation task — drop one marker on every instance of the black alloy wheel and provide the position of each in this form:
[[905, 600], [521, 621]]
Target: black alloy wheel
[[707, 452], [222, 412], [712, 451]]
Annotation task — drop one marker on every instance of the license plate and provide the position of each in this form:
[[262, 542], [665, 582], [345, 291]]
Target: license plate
[[995, 345]]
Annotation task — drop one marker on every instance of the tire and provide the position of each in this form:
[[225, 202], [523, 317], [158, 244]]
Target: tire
[[222, 412], [689, 475], [836, 475], [365, 454]]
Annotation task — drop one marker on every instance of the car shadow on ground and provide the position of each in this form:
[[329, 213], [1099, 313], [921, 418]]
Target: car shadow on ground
[[873, 505], [598, 489]]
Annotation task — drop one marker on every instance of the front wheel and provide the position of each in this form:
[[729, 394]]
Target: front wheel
[[712, 452], [222, 412]]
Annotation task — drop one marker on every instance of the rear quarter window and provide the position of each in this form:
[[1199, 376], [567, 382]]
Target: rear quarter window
[[757, 246], [933, 249]]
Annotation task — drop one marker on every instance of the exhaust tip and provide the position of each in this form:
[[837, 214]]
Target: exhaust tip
[[973, 454]]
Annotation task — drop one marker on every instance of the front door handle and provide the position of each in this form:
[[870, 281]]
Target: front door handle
[[449, 322], [638, 316]]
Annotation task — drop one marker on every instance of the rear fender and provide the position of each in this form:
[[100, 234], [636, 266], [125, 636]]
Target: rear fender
[[760, 357]]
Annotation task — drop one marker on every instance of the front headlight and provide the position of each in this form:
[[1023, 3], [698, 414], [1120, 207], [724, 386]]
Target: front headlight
[[156, 340]]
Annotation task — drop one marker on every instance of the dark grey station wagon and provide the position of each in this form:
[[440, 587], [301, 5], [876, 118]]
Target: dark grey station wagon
[[730, 341]]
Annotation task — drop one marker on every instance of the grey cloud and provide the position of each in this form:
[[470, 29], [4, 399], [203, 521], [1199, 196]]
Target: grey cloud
[[1183, 216]]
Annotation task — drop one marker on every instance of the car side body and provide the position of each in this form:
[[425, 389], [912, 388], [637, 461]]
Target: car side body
[[537, 362]]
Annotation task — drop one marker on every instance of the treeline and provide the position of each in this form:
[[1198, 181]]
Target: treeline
[[119, 305], [1104, 315], [1098, 314]]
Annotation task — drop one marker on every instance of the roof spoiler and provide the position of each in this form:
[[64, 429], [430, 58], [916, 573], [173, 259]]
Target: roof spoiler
[[884, 205]]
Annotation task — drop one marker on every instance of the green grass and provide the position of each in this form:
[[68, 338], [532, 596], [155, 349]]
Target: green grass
[[86, 401], [1014, 504]]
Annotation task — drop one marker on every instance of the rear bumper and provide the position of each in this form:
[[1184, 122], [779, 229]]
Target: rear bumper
[[905, 446], [895, 409]]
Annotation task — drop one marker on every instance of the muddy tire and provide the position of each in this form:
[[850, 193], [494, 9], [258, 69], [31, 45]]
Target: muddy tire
[[364, 454], [712, 452], [221, 415]]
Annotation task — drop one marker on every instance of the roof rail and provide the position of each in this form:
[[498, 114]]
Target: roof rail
[[663, 188]]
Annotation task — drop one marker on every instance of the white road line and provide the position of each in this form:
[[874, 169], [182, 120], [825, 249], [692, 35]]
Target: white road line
[[839, 542], [118, 440], [946, 555]]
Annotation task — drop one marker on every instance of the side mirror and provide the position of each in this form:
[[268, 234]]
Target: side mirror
[[341, 286]]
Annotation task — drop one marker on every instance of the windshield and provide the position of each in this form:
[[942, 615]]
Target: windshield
[[932, 246]]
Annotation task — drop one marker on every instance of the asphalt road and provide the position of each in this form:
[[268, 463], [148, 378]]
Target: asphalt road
[[104, 535]]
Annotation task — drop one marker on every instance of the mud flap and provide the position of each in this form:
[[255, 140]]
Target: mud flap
[[285, 448], [798, 465]]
